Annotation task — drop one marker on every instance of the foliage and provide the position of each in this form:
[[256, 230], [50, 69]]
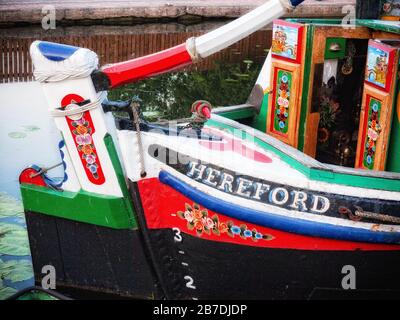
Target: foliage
[[10, 206], [13, 240], [6, 292], [16, 270], [171, 95]]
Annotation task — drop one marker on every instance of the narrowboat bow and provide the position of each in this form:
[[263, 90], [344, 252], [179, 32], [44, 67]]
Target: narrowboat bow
[[270, 199]]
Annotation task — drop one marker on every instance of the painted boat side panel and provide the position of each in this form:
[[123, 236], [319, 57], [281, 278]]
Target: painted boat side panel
[[163, 206]]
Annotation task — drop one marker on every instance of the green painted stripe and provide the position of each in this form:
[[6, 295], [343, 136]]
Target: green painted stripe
[[316, 174], [260, 121], [98, 209], [82, 206], [112, 152], [238, 114], [387, 26], [306, 88]]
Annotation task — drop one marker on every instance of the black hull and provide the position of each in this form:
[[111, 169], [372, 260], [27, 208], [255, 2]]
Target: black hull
[[230, 271], [91, 262]]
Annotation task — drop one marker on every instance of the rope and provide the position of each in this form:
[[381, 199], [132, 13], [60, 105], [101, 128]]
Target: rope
[[80, 109], [136, 120], [192, 49], [376, 216]]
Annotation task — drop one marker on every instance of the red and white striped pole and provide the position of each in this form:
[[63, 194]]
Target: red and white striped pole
[[118, 74]]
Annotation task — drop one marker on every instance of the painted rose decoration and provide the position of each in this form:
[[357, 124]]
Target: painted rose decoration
[[83, 138], [197, 219]]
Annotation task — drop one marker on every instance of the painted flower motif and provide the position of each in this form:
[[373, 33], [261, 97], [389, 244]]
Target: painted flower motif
[[373, 133], [79, 122], [248, 233], [93, 168], [222, 227], [81, 129], [83, 139], [197, 214], [198, 225], [188, 216], [90, 158], [209, 223], [197, 219], [258, 236], [235, 230], [87, 149]]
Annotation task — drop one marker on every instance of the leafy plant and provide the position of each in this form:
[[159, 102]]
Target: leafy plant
[[171, 95]]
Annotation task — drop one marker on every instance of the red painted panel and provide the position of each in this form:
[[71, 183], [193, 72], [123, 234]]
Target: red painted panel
[[147, 66], [26, 177], [82, 131], [166, 208], [296, 47]]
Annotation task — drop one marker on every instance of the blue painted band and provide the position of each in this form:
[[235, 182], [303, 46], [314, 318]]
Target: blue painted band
[[296, 2], [56, 51], [271, 220]]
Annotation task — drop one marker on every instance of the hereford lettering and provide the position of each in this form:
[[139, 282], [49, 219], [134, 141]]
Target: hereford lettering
[[281, 196]]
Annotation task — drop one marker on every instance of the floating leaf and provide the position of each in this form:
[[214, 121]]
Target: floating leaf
[[17, 135], [31, 128], [9, 206], [16, 270], [6, 292], [14, 240]]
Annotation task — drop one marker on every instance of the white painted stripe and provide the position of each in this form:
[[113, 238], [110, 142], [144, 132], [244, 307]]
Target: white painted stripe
[[278, 171]]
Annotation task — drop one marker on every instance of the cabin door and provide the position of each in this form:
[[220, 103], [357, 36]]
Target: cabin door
[[377, 105], [288, 43]]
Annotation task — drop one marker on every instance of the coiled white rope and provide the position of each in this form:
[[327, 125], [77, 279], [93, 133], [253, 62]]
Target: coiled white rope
[[79, 65], [73, 109]]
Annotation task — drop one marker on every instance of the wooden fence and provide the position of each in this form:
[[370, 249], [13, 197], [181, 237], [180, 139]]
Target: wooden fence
[[16, 65]]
